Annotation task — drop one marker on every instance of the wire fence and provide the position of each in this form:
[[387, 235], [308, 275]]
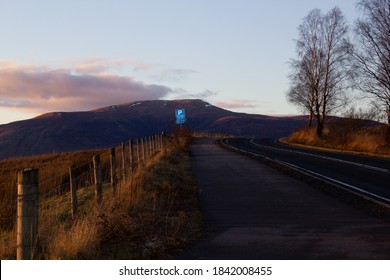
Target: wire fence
[[58, 204]]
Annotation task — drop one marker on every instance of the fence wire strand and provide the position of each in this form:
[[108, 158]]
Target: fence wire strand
[[55, 205]]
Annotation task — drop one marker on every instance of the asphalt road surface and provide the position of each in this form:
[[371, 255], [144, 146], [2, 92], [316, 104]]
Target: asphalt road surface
[[253, 211], [367, 175]]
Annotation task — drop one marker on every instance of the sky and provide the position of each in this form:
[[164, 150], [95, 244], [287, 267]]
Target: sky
[[78, 55]]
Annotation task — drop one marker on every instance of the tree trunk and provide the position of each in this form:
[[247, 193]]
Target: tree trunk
[[320, 129], [318, 117], [319, 125], [388, 116], [310, 121], [388, 126]]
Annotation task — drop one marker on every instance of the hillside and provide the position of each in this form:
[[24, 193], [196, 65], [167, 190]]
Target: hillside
[[104, 127]]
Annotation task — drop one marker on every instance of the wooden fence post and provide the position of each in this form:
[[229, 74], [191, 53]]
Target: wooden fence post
[[27, 214], [163, 143], [160, 142], [154, 144], [146, 149], [131, 156], [124, 160], [138, 152], [150, 147], [113, 170], [73, 193], [97, 168], [143, 150]]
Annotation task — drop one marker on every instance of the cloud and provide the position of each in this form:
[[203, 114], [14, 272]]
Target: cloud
[[41, 89], [102, 65], [180, 93], [99, 65], [238, 103], [172, 75], [205, 94]]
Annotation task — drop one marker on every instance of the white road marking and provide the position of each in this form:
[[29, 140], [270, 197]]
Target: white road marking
[[345, 186], [335, 181], [325, 157]]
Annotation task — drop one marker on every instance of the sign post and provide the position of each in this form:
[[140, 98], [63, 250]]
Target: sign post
[[180, 115]]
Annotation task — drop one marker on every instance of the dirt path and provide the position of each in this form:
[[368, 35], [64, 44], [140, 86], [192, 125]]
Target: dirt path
[[252, 211]]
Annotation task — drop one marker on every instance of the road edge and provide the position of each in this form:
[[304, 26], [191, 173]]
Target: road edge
[[358, 201], [284, 141]]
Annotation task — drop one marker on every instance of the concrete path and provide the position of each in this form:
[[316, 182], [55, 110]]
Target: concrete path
[[252, 211]]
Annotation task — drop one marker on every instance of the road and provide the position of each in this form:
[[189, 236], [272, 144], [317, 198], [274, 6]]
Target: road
[[368, 176], [253, 211]]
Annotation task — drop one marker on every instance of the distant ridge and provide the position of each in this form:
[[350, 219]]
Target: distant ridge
[[107, 126]]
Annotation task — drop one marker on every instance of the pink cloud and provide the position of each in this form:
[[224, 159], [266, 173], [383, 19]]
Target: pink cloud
[[40, 89], [235, 104]]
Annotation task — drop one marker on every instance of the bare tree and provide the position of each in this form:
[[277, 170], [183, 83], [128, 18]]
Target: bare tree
[[372, 52], [320, 73], [300, 93]]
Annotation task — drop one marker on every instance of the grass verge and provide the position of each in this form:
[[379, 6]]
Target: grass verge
[[154, 215], [371, 141]]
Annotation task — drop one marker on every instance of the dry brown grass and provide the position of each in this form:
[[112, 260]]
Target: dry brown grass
[[78, 242], [346, 135], [53, 169], [152, 216]]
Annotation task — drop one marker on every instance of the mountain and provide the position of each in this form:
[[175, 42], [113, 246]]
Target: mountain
[[105, 127]]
